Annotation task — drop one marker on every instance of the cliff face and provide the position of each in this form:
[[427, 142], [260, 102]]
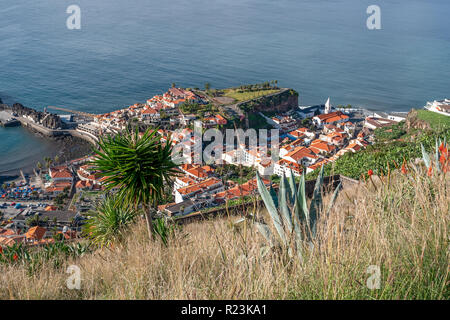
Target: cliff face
[[280, 102], [51, 121]]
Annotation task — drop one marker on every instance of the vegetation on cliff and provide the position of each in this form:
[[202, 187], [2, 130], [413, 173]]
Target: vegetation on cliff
[[282, 101], [394, 145]]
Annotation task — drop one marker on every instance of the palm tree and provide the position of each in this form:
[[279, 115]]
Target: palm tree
[[56, 159], [173, 85], [207, 86], [48, 162], [108, 222], [139, 167]]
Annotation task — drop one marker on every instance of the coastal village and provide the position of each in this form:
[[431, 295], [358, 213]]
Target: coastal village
[[53, 202]]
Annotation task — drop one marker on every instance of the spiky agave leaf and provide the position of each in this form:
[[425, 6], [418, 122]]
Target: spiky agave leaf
[[303, 211], [425, 156], [333, 198], [265, 231], [316, 203], [273, 195], [436, 157], [292, 187], [270, 205], [296, 220], [284, 208]]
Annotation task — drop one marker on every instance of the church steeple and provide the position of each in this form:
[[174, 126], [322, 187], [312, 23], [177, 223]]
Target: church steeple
[[328, 106]]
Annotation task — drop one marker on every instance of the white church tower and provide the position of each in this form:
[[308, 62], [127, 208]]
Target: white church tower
[[327, 106]]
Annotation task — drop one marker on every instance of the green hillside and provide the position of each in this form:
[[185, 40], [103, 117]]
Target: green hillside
[[393, 145]]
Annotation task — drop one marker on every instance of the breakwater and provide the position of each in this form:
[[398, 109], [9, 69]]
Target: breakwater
[[7, 119], [46, 124], [23, 149]]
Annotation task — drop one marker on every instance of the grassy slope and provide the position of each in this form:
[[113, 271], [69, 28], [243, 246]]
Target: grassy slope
[[436, 120], [400, 227], [394, 144], [247, 95]]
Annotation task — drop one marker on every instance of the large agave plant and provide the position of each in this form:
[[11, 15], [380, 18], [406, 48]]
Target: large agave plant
[[440, 156], [294, 221]]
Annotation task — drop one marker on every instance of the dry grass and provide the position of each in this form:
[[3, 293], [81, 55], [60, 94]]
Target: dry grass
[[401, 227]]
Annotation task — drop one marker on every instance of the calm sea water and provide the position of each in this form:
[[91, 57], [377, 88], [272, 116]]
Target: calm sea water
[[127, 51]]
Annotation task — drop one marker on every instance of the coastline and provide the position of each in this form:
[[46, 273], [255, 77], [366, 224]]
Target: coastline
[[67, 144], [66, 147]]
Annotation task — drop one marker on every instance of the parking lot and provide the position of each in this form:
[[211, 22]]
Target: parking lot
[[12, 209]]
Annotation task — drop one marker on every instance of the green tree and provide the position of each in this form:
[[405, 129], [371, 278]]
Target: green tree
[[207, 86], [107, 223], [139, 167], [173, 85], [48, 162]]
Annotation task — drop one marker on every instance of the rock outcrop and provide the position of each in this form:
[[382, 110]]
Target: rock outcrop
[[50, 121], [413, 122]]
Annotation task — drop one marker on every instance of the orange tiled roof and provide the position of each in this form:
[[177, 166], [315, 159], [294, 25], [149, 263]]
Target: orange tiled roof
[[318, 164], [61, 174], [327, 116], [240, 190], [291, 165], [36, 233], [300, 153], [319, 145], [199, 186]]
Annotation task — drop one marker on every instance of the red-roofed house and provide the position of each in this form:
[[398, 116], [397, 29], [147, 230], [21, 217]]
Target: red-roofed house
[[322, 147], [61, 174], [301, 155], [330, 118], [208, 186], [35, 233], [150, 114], [284, 166], [238, 191]]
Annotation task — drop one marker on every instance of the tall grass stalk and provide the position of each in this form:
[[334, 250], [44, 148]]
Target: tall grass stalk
[[403, 230]]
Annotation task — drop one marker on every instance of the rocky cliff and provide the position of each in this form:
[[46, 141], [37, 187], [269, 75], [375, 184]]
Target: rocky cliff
[[51, 121], [279, 102]]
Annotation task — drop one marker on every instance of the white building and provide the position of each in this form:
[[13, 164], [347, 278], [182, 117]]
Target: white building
[[441, 107]]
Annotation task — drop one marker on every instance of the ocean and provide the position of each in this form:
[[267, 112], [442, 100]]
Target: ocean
[[128, 51]]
